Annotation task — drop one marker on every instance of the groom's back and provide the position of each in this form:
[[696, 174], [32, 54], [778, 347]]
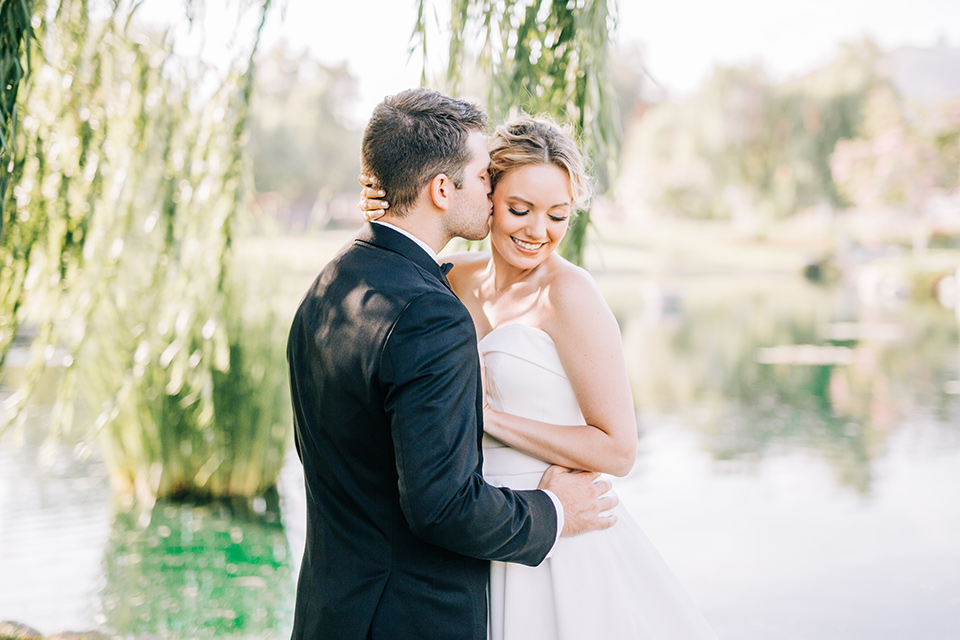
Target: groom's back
[[361, 557]]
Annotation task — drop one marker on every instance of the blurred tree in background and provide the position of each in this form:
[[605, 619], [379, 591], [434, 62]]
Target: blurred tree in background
[[541, 57], [129, 174], [747, 150], [752, 151], [895, 160], [304, 148]]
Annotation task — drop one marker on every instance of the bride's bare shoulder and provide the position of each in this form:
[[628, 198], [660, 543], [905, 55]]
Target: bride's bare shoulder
[[566, 280], [468, 259], [573, 295], [467, 266]]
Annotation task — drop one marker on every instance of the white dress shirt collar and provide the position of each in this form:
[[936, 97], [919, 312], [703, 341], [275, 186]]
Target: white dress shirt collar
[[423, 245]]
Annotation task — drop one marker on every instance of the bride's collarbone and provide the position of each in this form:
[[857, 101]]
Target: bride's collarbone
[[491, 312], [511, 307], [532, 319]]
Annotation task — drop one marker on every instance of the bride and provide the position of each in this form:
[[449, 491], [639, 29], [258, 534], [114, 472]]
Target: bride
[[556, 391]]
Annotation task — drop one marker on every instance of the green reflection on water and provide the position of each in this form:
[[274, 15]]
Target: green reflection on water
[[199, 570], [702, 363]]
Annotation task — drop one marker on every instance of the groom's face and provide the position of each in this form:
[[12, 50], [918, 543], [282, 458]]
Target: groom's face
[[469, 217]]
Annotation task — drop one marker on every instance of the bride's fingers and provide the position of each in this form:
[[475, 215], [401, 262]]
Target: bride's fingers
[[366, 204], [483, 382], [365, 180], [370, 204], [370, 193]]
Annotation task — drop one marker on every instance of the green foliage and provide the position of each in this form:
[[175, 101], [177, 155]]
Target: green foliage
[[749, 150], [899, 154], [16, 32], [132, 172], [752, 151], [744, 149], [708, 367], [540, 56]]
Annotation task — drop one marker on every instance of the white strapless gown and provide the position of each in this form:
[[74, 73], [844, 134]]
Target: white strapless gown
[[604, 585]]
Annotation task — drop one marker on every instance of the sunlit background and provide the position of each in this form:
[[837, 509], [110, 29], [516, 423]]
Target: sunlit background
[[778, 235]]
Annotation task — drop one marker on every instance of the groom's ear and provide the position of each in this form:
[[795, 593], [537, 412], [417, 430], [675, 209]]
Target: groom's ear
[[440, 189]]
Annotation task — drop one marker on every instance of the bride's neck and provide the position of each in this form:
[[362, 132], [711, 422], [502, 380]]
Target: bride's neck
[[504, 275]]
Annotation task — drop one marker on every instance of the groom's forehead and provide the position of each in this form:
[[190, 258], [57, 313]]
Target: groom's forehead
[[478, 147]]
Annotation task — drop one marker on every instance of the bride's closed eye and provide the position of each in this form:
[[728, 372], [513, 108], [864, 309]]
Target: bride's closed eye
[[517, 212]]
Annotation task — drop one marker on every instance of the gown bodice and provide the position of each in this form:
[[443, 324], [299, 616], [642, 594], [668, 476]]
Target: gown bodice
[[525, 378]]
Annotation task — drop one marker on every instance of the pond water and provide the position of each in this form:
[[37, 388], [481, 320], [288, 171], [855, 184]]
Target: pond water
[[799, 469]]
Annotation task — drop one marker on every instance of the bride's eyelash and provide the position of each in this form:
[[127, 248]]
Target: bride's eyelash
[[517, 212]]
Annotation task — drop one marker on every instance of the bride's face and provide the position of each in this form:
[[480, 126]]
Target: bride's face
[[531, 210]]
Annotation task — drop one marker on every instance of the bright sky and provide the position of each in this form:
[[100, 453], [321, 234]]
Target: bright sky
[[682, 39]]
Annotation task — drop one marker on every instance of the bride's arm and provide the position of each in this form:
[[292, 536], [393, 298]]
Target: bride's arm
[[588, 341]]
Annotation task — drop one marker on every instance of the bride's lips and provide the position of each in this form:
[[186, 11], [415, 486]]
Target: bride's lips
[[528, 247]]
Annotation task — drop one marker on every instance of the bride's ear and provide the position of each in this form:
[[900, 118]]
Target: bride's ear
[[441, 188]]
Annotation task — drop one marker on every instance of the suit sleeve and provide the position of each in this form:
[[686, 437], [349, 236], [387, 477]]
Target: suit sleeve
[[431, 377]]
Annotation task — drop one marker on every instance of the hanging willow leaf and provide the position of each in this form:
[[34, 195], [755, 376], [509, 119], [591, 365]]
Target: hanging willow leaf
[[16, 32], [540, 56], [128, 181]]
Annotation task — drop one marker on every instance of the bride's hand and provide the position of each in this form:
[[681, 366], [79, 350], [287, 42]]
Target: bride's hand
[[483, 384], [370, 204], [489, 417]]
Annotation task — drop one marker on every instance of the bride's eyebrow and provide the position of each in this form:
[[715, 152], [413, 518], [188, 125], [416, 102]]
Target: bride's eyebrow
[[531, 205], [521, 201]]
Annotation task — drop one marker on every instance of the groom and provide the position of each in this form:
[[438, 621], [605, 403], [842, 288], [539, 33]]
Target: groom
[[385, 379]]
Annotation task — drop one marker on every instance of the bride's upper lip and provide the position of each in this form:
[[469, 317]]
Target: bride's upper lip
[[528, 241]]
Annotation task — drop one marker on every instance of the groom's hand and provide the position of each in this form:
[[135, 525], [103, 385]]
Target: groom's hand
[[583, 499]]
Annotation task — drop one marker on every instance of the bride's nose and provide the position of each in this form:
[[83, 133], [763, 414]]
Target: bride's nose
[[537, 226]]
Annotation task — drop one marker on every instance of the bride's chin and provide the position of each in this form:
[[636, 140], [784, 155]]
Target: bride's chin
[[525, 261]]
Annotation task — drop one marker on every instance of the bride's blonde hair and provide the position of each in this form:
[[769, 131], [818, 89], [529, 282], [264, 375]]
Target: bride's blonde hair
[[525, 140]]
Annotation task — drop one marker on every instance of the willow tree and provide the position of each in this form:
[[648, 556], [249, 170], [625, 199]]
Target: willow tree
[[129, 175], [538, 56], [15, 37]]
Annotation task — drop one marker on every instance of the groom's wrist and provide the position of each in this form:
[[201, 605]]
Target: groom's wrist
[[560, 519]]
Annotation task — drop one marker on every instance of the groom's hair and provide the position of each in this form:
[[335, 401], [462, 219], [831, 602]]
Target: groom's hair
[[412, 137]]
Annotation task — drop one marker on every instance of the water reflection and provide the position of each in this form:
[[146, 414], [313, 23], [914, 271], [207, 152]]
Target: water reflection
[[199, 570], [54, 520], [724, 365]]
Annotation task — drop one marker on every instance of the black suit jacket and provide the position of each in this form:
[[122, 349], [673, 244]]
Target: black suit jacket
[[385, 379]]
